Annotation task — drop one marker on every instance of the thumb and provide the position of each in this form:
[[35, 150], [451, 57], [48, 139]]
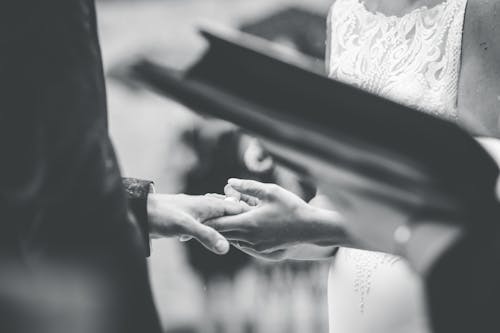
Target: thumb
[[207, 236], [242, 198]]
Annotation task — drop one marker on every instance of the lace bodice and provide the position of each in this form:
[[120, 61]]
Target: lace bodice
[[413, 59]]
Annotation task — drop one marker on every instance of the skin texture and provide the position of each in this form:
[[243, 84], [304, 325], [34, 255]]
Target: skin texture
[[278, 222], [479, 82], [180, 214]]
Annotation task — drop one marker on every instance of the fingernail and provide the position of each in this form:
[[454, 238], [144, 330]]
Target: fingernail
[[233, 181], [222, 246]]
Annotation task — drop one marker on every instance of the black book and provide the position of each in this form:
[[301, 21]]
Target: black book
[[358, 147]]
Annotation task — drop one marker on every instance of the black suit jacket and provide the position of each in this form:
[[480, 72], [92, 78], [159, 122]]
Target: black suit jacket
[[71, 253]]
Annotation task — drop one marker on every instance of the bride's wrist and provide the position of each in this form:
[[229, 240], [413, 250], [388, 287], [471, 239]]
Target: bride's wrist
[[327, 227]]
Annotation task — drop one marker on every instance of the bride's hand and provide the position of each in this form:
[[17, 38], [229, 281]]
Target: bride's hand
[[278, 221]]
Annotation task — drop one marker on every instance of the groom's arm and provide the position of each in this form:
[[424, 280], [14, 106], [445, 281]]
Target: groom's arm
[[168, 215]]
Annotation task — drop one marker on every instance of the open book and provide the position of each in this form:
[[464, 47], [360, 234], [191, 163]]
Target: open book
[[355, 145]]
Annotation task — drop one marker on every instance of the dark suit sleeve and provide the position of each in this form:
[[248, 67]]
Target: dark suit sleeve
[[137, 195], [65, 225]]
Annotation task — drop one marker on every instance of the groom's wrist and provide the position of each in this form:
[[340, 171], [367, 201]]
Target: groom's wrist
[[137, 194]]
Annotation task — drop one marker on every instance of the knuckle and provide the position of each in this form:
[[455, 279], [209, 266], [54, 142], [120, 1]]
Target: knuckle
[[273, 189], [231, 192], [245, 185], [252, 201]]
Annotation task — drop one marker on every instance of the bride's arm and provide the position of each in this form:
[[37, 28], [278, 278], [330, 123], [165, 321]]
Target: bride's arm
[[311, 251], [479, 79], [492, 146], [281, 225]]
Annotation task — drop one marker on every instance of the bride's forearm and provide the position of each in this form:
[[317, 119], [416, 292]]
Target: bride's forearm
[[327, 228], [322, 233], [311, 252]]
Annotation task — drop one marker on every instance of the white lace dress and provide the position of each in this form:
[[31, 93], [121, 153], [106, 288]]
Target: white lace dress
[[413, 59]]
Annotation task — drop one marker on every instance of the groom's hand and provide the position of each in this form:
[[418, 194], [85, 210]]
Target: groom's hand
[[179, 214]]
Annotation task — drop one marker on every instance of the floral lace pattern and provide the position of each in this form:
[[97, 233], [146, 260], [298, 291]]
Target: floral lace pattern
[[413, 59]]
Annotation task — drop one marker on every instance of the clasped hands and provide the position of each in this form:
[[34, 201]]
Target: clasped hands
[[260, 219]]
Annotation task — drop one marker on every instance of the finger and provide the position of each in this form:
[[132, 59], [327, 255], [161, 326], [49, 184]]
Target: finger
[[207, 236], [212, 207], [262, 248], [250, 187], [230, 192], [230, 223], [234, 207], [241, 243], [246, 206], [274, 256], [249, 200], [250, 251], [216, 195]]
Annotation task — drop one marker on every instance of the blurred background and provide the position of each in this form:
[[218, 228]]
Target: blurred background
[[158, 139]]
